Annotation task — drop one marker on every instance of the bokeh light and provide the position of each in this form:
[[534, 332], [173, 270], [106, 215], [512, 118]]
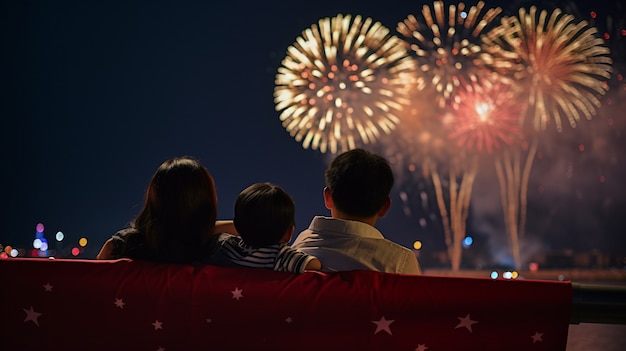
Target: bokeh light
[[60, 236], [468, 241], [39, 228], [417, 245], [82, 242], [75, 251]]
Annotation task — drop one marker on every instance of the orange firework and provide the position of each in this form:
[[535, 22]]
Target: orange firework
[[342, 82], [562, 64], [484, 116], [447, 43]]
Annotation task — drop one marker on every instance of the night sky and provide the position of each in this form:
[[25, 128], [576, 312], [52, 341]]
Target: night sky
[[96, 95]]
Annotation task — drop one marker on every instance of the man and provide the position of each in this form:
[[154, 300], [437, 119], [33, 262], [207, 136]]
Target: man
[[357, 189]]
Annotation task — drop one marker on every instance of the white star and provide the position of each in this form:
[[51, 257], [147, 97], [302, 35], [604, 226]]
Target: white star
[[119, 302], [383, 324], [237, 293], [31, 315], [465, 322], [157, 325], [48, 287], [537, 337], [288, 320], [421, 347]]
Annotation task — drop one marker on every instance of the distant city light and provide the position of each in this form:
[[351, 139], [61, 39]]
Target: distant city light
[[494, 275], [417, 245], [75, 251], [14, 253], [37, 243], [39, 227], [60, 236], [533, 266], [44, 246], [468, 241], [82, 242], [8, 249], [507, 275]]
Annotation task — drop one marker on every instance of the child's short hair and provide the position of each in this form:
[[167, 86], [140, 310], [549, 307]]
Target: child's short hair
[[263, 213]]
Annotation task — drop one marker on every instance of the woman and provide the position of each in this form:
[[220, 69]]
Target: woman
[[177, 220]]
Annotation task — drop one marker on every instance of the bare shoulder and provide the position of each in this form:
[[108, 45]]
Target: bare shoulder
[[105, 251]]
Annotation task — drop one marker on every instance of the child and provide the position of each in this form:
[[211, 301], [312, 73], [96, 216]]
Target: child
[[265, 221]]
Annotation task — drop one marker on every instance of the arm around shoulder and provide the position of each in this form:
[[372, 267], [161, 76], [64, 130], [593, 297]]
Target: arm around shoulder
[[225, 226], [313, 265]]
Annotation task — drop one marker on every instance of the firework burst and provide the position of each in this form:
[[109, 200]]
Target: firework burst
[[484, 116], [561, 64], [447, 43], [344, 81]]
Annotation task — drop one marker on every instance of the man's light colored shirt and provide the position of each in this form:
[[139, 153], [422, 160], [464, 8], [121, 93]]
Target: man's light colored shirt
[[343, 245]]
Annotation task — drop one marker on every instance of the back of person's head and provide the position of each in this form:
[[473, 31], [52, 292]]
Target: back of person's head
[[263, 214], [180, 209], [359, 182]]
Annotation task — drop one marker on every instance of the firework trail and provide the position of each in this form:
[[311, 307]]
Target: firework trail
[[561, 68], [343, 81], [446, 43]]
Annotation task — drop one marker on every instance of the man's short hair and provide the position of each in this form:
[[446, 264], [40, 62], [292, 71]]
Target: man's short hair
[[359, 182], [263, 213]]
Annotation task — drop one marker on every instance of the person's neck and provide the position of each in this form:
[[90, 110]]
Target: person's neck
[[340, 215]]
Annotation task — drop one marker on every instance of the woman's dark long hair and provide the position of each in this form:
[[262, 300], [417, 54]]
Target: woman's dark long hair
[[180, 210]]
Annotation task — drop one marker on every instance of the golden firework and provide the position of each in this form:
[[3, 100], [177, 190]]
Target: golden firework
[[447, 43], [342, 82], [562, 64]]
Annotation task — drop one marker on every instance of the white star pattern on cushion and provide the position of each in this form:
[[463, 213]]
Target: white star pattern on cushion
[[157, 325], [136, 305], [383, 324], [32, 316], [119, 303], [237, 293], [466, 322]]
